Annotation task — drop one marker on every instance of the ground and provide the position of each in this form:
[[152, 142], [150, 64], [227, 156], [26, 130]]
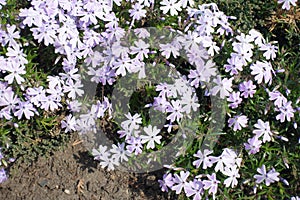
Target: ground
[[71, 174]]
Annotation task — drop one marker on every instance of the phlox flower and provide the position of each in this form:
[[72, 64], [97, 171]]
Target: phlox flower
[[263, 129], [269, 177], [286, 111], [2, 3], [270, 51], [9, 101], [73, 88], [36, 95], [195, 188], [137, 12], [14, 73], [238, 122], [234, 66], [25, 108], [190, 102], [203, 73], [10, 36], [277, 97], [132, 121], [167, 182], [211, 184], [223, 87], [50, 102], [203, 158], [175, 110], [109, 162], [253, 145], [119, 153], [3, 175], [262, 70], [235, 99], [169, 48], [152, 136], [180, 181], [134, 145], [243, 52], [233, 174], [141, 49], [257, 37], [100, 152], [69, 124], [74, 105], [247, 88], [171, 6], [228, 158], [286, 3]]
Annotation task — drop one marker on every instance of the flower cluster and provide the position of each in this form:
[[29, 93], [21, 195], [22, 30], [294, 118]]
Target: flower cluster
[[88, 41]]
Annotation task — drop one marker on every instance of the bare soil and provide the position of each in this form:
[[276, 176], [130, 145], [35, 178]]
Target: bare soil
[[71, 173]]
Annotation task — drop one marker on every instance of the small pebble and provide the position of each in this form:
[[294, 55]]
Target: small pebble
[[67, 191]]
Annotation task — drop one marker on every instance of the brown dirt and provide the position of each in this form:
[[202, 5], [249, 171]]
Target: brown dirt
[[71, 174]]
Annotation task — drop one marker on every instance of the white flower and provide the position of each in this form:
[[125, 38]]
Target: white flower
[[151, 137], [170, 5]]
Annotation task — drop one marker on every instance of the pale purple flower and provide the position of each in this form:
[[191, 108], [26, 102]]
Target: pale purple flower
[[253, 145], [109, 162], [100, 152], [270, 51], [11, 35], [180, 181], [286, 3], [137, 12], [211, 184], [25, 108], [238, 122], [3, 175], [167, 182], [233, 174], [132, 121], [195, 188], [269, 177], [119, 152], [74, 105], [286, 111], [9, 100], [228, 158], [234, 66], [247, 88], [69, 124], [235, 99], [262, 70], [141, 49], [203, 158], [263, 129], [223, 87], [36, 95], [73, 88], [134, 145], [14, 73], [175, 110], [278, 97], [203, 73], [168, 49]]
